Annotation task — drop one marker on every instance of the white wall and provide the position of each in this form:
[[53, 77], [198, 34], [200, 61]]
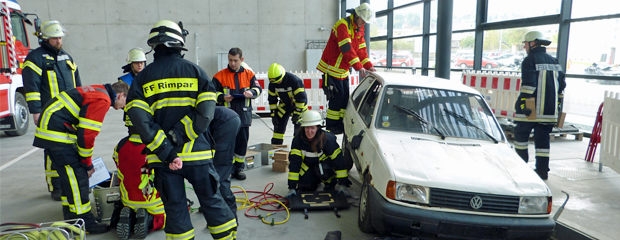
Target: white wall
[[101, 32]]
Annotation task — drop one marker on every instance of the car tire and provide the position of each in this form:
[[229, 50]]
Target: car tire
[[22, 117], [463, 65], [346, 154], [379, 64], [364, 219], [403, 64], [488, 65]]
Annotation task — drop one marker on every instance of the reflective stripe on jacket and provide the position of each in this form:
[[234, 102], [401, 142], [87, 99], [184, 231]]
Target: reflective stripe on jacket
[[336, 63], [291, 93], [46, 73], [542, 78], [74, 117]]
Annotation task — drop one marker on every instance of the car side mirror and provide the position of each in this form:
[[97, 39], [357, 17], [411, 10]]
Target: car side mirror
[[357, 140]]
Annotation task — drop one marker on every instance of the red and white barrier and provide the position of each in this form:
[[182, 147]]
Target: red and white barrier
[[500, 89], [312, 84]]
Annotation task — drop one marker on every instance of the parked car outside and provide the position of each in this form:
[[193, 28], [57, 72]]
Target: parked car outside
[[467, 61], [398, 60], [433, 160]]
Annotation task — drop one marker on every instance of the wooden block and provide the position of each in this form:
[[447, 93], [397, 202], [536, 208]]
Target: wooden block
[[531, 104], [280, 155], [279, 166], [275, 146]]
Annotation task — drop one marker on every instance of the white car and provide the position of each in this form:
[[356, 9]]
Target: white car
[[434, 160]]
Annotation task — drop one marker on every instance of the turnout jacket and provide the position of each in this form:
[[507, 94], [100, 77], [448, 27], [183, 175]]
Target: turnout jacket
[[227, 81], [46, 73], [74, 118], [291, 94], [542, 78], [171, 104], [128, 78], [345, 48], [302, 158]]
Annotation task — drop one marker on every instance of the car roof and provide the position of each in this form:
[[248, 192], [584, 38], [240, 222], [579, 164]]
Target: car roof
[[392, 78]]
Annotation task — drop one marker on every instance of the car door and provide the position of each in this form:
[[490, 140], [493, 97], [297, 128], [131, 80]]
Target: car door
[[361, 122]]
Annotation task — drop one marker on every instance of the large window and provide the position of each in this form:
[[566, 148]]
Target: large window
[[591, 8], [379, 27], [464, 15], [502, 10], [408, 20], [600, 58]]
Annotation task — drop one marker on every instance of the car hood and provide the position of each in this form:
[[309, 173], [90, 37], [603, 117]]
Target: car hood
[[459, 164]]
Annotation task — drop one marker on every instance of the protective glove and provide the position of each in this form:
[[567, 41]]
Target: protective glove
[[291, 193], [343, 190], [295, 118], [329, 89], [527, 111]]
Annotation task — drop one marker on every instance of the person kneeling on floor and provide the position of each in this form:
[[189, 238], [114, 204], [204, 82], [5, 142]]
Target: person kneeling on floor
[[316, 157], [142, 208]]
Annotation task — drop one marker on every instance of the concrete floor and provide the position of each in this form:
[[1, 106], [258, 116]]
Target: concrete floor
[[593, 207]]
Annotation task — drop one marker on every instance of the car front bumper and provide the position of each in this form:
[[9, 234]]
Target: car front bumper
[[391, 218]]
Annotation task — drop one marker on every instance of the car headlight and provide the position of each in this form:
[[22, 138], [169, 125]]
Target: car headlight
[[407, 192], [534, 205]]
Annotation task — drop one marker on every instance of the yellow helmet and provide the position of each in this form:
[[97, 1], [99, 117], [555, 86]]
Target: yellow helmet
[[276, 73], [168, 33], [365, 12], [136, 55], [51, 29], [311, 118]]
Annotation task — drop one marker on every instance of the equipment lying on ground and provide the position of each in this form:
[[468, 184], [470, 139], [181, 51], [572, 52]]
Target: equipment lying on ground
[[320, 200], [61, 230]]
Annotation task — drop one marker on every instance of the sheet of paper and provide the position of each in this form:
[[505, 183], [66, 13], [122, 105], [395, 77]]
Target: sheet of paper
[[101, 173]]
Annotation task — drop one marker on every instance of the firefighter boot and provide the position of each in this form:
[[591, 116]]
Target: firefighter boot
[[144, 223], [239, 174], [123, 227], [92, 226]]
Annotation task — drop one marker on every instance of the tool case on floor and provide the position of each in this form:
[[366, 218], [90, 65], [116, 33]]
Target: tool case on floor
[[62, 230], [103, 196]]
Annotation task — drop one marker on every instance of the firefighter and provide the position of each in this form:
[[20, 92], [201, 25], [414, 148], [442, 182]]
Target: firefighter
[[316, 157], [171, 105], [236, 87], [66, 130], [345, 48], [223, 131], [143, 209], [543, 79], [136, 60], [289, 89], [48, 71]]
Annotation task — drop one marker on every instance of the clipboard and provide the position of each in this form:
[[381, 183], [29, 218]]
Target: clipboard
[[101, 173]]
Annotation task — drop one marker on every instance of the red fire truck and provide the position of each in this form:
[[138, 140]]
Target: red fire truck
[[14, 47]]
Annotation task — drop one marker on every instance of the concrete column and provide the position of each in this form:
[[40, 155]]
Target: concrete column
[[444, 38]]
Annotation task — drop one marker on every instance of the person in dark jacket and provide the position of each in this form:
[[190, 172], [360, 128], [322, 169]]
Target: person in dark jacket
[[543, 80], [236, 87], [289, 90], [171, 105], [67, 130], [316, 157], [223, 131], [48, 71], [136, 60]]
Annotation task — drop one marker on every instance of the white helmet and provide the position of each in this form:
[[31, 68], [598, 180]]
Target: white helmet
[[532, 36], [365, 12], [51, 29], [136, 55], [168, 33], [311, 118]]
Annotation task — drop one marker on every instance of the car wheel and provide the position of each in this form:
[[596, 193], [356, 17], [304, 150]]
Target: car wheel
[[463, 65], [379, 64], [364, 219], [21, 116], [348, 159], [488, 65], [403, 64]]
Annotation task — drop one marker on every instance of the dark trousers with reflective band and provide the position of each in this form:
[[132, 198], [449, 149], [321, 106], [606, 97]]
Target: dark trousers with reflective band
[[541, 142], [280, 128], [310, 181], [171, 186], [241, 147], [73, 182], [223, 159], [51, 175], [338, 103]]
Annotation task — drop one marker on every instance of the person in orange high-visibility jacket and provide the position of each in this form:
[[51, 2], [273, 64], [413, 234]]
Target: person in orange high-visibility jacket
[[345, 48], [66, 130], [149, 215]]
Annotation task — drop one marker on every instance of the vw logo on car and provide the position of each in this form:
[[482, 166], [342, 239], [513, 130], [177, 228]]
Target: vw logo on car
[[476, 202]]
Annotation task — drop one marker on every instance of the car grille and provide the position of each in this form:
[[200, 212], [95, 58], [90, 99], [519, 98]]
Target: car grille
[[462, 200]]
